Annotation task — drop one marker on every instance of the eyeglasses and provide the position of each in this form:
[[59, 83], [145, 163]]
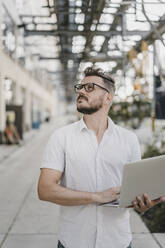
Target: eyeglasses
[[89, 87]]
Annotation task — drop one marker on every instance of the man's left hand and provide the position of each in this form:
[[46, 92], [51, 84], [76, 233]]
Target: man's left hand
[[143, 205]]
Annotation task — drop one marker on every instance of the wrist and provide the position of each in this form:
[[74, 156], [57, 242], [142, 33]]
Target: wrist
[[96, 197]]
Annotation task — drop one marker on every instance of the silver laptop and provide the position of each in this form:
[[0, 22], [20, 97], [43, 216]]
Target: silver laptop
[[144, 176]]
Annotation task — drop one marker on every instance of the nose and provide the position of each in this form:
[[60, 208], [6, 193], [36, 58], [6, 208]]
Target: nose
[[81, 95]]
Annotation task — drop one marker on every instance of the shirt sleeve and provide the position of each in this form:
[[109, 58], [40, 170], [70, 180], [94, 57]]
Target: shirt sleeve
[[135, 149], [54, 156]]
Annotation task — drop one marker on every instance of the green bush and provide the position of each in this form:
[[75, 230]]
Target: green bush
[[154, 218], [131, 112], [152, 151]]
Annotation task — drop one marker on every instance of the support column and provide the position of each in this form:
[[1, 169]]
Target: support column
[[0, 24], [18, 95], [54, 108], [153, 104], [27, 114], [2, 95], [2, 108], [42, 110]]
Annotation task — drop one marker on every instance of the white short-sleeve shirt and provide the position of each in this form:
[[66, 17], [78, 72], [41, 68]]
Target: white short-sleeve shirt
[[92, 167]]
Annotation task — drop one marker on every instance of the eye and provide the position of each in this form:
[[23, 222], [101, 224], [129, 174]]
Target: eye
[[89, 87]]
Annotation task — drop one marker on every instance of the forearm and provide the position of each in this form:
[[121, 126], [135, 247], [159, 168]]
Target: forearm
[[67, 197]]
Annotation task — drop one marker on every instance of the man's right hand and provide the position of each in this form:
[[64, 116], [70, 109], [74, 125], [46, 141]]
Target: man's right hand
[[107, 195]]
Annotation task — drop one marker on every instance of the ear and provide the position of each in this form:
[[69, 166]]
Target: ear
[[110, 97]]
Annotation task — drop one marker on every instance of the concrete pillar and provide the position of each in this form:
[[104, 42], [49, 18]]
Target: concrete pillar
[[42, 109], [2, 95], [54, 109], [27, 113], [2, 107], [18, 95], [0, 24]]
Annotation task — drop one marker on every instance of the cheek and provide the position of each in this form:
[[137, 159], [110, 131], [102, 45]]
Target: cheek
[[95, 99], [101, 99]]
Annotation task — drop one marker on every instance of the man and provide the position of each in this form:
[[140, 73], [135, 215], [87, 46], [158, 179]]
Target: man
[[87, 158]]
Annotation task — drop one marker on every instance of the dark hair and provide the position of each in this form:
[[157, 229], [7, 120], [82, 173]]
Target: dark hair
[[108, 80]]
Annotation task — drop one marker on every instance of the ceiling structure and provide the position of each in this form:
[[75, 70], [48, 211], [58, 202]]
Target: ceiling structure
[[63, 36]]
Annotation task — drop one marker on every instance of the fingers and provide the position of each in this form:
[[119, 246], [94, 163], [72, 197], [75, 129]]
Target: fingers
[[130, 206], [162, 199], [148, 201], [117, 190], [109, 195], [135, 205], [117, 196], [140, 205], [140, 202], [156, 201], [143, 205]]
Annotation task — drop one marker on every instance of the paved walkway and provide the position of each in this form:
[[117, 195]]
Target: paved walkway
[[27, 222]]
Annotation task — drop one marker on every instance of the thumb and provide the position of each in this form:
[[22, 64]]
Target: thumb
[[162, 199]]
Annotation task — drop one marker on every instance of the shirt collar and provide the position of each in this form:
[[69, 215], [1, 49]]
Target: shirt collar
[[111, 125]]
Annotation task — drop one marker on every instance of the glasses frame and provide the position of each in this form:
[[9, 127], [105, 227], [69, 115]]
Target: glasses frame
[[84, 86]]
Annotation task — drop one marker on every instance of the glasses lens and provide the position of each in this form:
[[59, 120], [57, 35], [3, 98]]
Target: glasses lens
[[89, 87], [77, 87]]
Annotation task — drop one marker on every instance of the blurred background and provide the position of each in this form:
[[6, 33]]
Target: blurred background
[[44, 47]]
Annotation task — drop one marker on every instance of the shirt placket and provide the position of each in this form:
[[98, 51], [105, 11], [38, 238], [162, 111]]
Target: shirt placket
[[99, 209]]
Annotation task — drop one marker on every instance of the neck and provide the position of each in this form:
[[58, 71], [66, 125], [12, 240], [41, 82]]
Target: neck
[[98, 122]]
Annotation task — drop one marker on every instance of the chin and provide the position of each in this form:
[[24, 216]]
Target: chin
[[81, 104]]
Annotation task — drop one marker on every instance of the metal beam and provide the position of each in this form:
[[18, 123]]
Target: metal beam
[[99, 58], [116, 22], [70, 23], [86, 32], [33, 16], [67, 56], [103, 58], [12, 11], [151, 36], [94, 16], [155, 30]]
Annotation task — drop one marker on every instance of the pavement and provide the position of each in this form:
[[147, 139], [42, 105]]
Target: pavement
[[7, 150], [27, 222]]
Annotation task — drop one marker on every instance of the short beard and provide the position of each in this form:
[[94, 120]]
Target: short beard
[[90, 110]]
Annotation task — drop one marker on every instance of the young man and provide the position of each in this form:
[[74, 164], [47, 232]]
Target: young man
[[87, 158]]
